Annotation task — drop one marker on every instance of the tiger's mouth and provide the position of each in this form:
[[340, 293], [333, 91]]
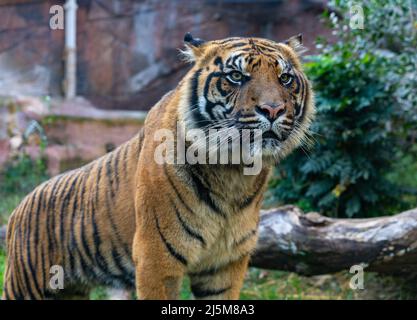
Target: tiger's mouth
[[270, 135], [270, 140]]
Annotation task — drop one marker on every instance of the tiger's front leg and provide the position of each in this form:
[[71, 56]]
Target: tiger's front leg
[[159, 272], [223, 283]]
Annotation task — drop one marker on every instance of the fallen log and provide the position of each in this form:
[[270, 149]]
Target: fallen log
[[311, 244]]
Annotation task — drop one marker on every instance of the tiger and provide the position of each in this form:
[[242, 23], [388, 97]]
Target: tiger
[[125, 221]]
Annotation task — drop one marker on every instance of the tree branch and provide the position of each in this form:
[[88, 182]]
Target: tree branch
[[312, 244]]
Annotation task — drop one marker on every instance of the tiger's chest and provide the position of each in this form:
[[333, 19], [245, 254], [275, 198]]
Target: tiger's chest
[[231, 210], [228, 240]]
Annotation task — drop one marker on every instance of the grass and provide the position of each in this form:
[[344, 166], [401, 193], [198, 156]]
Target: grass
[[278, 285]]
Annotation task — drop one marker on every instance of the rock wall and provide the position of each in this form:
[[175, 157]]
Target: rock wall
[[67, 133], [127, 50]]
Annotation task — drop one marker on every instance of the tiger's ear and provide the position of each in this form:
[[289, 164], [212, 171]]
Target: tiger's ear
[[296, 43], [193, 47]]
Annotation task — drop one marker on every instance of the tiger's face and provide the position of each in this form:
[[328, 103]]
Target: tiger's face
[[250, 83]]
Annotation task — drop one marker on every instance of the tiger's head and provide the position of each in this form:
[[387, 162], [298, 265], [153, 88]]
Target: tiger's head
[[249, 83]]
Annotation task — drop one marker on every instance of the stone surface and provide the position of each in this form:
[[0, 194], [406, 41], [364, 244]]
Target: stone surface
[[80, 123], [127, 55], [76, 132]]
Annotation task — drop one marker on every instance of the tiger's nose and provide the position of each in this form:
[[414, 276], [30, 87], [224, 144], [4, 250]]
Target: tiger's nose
[[271, 110]]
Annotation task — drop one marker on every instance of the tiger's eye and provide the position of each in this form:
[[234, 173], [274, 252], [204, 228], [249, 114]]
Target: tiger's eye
[[285, 78], [236, 76]]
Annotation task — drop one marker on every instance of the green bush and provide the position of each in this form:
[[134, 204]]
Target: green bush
[[22, 175], [355, 139], [19, 177]]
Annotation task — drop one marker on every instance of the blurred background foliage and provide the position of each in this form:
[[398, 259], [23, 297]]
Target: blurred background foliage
[[18, 178], [361, 158]]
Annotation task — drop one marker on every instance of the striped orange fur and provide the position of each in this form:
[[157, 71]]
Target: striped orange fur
[[126, 221]]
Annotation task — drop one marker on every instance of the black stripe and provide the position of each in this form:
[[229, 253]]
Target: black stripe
[[210, 105], [13, 285], [15, 288], [14, 278], [78, 210], [301, 92], [109, 174], [101, 261], [187, 229], [207, 272], [8, 284], [51, 210], [64, 209], [232, 39], [43, 253], [246, 238], [297, 81], [29, 292], [256, 64], [200, 292], [260, 184], [216, 269], [109, 206], [250, 60], [17, 243], [65, 196], [126, 276], [141, 137], [304, 98], [116, 167], [266, 45], [263, 48], [16, 284], [169, 247], [237, 45], [37, 214], [249, 122], [194, 101], [61, 196], [248, 201], [230, 62], [71, 245], [6, 292], [50, 215], [84, 216], [126, 149], [204, 194], [222, 92], [32, 269], [23, 264], [219, 62], [177, 193]]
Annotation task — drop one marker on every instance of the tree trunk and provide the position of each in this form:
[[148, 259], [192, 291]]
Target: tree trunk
[[311, 244]]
